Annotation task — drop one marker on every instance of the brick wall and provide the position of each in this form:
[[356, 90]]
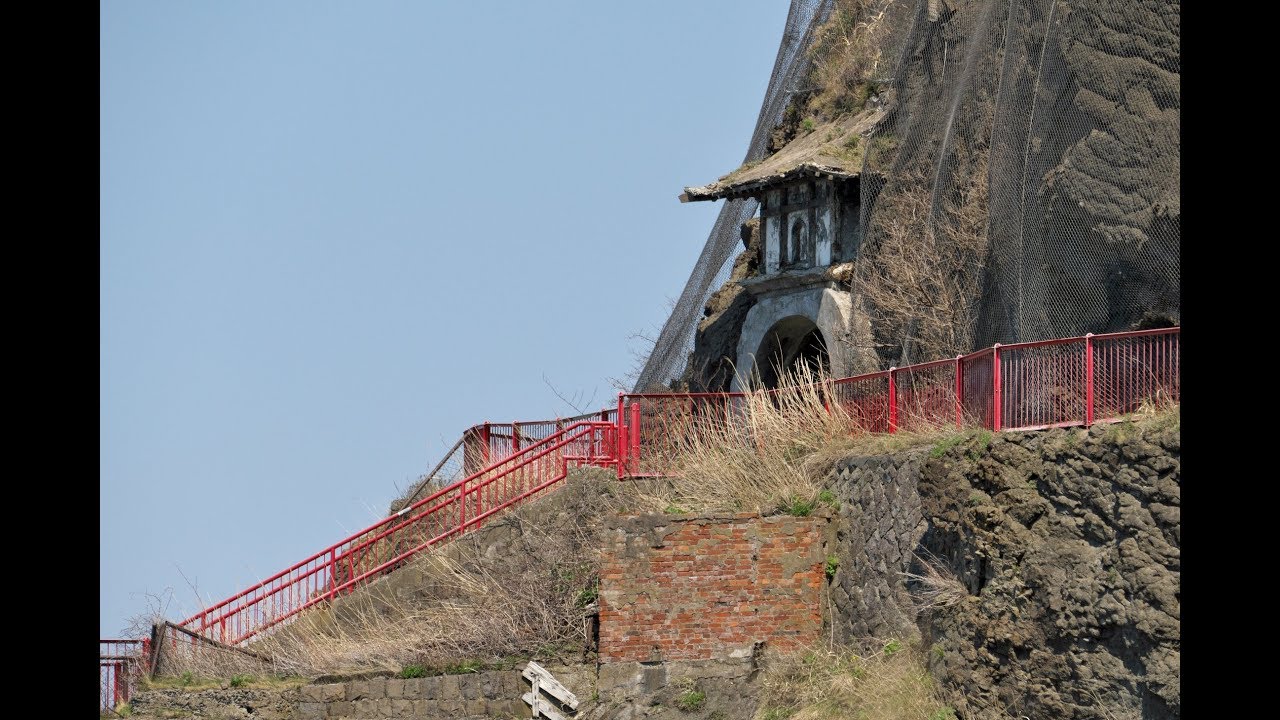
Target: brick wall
[[702, 587]]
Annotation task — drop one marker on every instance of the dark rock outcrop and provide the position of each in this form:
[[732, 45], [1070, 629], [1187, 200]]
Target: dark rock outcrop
[[1063, 546]]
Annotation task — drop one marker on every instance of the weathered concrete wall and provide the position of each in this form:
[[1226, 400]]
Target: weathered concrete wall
[[712, 586]]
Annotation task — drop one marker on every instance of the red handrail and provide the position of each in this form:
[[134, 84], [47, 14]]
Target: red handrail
[[120, 663], [319, 577], [1020, 386]]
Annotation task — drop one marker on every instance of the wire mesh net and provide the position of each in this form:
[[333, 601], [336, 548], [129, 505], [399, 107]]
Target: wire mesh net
[[670, 353], [1030, 148]]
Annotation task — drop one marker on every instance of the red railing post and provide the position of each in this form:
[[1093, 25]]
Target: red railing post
[[893, 401], [484, 444], [1088, 379], [619, 449], [620, 422], [146, 652], [462, 497], [996, 395], [634, 430], [333, 573], [959, 392]]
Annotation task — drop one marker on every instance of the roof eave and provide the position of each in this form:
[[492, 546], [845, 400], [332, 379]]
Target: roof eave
[[754, 187]]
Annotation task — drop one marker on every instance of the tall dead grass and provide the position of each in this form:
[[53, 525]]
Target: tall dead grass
[[880, 680], [935, 585], [518, 587], [768, 450], [473, 611], [756, 455], [923, 277]]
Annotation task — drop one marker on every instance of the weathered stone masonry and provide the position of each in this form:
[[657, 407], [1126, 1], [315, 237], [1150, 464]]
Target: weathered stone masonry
[[475, 695], [695, 588], [458, 697]]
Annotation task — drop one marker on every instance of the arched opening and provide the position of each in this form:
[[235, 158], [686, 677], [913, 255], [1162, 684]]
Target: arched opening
[[791, 343]]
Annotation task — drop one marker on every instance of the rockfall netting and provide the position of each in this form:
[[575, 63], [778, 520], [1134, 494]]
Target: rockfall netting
[[671, 350], [1023, 184]]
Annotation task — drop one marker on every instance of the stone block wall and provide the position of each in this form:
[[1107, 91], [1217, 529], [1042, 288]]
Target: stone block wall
[[709, 586], [485, 694], [493, 694], [877, 534]]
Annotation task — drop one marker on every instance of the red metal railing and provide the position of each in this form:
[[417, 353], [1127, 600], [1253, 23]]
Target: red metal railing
[[657, 421], [461, 507], [1024, 386], [866, 398], [1071, 381], [1127, 368], [120, 664], [487, 443], [925, 396]]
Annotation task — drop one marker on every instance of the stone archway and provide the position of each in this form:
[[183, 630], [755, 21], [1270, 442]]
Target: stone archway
[[790, 344], [789, 321]]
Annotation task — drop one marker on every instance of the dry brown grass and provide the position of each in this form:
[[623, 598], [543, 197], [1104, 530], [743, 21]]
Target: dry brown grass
[[194, 663], [935, 586], [1158, 411], [472, 600], [772, 449], [516, 588], [757, 457], [847, 56], [922, 275], [478, 613], [881, 680]]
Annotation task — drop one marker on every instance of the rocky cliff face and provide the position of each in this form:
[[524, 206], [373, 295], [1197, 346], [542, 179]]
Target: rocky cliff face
[[1022, 185], [1063, 551]]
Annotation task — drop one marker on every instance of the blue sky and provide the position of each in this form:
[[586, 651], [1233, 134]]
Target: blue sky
[[333, 235]]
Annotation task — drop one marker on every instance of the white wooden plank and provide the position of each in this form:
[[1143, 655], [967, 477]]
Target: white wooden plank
[[544, 707], [537, 695], [550, 685]]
